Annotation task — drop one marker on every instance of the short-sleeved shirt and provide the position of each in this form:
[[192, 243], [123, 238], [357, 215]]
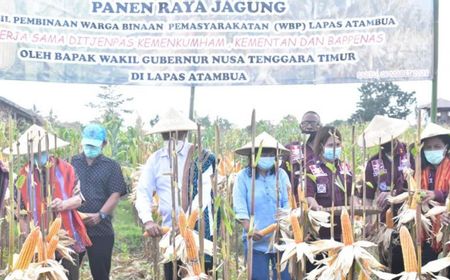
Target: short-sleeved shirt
[[98, 182], [321, 186]]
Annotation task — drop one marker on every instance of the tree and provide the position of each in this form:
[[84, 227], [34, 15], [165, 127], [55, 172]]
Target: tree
[[383, 98]]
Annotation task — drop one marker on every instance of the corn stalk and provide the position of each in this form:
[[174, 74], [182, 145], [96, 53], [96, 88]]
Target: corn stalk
[[252, 202], [418, 175], [201, 227], [11, 196], [174, 186]]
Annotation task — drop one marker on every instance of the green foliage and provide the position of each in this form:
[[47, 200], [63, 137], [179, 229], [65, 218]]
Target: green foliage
[[383, 98], [128, 232]]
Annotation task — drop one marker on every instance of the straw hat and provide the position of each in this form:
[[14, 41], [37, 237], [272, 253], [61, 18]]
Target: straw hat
[[432, 130], [381, 130], [35, 133], [267, 142], [173, 120]]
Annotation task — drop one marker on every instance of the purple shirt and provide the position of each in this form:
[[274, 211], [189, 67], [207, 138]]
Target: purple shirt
[[296, 147], [321, 189]]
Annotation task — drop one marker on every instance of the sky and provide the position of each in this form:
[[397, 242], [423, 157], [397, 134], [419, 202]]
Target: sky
[[331, 101]]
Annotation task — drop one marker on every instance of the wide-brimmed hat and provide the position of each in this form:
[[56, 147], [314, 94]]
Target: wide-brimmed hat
[[381, 130], [173, 120], [432, 130], [268, 142], [33, 134]]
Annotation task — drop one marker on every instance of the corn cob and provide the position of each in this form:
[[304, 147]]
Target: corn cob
[[268, 230], [163, 231], [54, 228], [182, 223], [296, 229], [192, 219], [52, 247], [408, 251], [42, 254], [291, 198], [413, 204], [346, 225], [27, 252], [192, 252], [389, 218]]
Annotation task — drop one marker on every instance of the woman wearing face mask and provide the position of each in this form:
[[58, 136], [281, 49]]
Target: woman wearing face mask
[[319, 182], [435, 178], [264, 259]]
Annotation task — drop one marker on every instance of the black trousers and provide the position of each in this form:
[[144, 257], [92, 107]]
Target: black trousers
[[73, 270], [99, 255], [168, 269]]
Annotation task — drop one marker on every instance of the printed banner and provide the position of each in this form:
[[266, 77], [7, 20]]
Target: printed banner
[[221, 42]]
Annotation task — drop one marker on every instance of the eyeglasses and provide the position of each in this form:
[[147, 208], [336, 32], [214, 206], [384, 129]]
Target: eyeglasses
[[311, 123]]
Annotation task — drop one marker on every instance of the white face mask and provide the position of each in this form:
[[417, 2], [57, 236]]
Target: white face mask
[[178, 145]]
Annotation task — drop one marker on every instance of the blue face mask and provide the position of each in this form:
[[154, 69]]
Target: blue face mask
[[41, 161], [266, 163], [434, 157], [328, 153], [92, 151]]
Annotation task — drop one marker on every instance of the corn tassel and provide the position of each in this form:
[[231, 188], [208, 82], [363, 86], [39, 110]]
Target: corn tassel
[[192, 219], [27, 252], [389, 219], [52, 247], [54, 228], [42, 254], [296, 229], [268, 230], [346, 225], [408, 251]]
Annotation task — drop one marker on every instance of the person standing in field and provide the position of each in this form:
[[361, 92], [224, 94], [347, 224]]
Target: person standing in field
[[156, 179], [102, 185], [299, 152], [65, 192], [264, 258], [385, 170]]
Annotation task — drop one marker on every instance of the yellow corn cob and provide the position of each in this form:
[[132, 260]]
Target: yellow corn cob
[[346, 225], [389, 218], [163, 230], [27, 252], [42, 254], [192, 252], [408, 251], [268, 230], [291, 198], [413, 202], [296, 229], [52, 247], [192, 219], [54, 228], [182, 223]]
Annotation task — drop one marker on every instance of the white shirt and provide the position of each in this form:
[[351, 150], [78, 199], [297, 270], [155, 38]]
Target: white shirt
[[155, 177]]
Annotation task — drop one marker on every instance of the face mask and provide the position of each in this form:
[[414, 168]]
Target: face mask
[[92, 151], [328, 153], [41, 161], [434, 157], [178, 145], [266, 163]]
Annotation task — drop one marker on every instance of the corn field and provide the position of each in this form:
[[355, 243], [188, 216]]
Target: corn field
[[131, 147]]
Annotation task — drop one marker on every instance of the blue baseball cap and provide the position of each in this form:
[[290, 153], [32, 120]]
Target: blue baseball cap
[[93, 134]]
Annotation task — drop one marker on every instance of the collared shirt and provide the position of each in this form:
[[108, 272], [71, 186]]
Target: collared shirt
[[155, 177], [265, 201], [297, 162], [321, 186], [98, 182]]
